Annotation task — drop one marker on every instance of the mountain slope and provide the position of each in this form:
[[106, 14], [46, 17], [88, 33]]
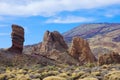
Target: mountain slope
[[102, 37], [90, 30]]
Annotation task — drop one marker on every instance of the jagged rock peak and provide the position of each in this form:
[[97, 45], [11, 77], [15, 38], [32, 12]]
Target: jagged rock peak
[[17, 39], [80, 50], [53, 40]]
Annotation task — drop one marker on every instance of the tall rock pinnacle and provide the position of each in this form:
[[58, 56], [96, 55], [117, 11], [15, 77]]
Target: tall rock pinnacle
[[17, 39]]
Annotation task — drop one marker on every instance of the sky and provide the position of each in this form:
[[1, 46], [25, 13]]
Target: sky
[[37, 16]]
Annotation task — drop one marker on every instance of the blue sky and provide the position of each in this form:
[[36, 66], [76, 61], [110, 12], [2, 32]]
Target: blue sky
[[37, 16]]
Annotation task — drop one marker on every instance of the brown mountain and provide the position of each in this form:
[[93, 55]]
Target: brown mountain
[[102, 37]]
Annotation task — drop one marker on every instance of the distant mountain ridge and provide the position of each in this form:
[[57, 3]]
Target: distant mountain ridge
[[102, 37], [87, 31]]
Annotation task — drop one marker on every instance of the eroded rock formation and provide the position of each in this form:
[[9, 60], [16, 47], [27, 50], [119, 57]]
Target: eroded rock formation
[[17, 39], [80, 50], [53, 41], [109, 58]]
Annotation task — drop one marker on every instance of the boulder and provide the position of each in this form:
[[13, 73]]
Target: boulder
[[17, 39], [110, 58], [80, 50]]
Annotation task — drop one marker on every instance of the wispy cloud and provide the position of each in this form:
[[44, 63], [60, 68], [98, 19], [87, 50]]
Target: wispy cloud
[[49, 7], [27, 30], [1, 18], [111, 13], [3, 25], [4, 34], [70, 19]]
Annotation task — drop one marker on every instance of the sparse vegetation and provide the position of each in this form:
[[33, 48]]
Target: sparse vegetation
[[105, 72], [54, 78], [113, 75]]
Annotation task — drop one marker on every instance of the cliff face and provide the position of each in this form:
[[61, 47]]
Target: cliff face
[[80, 50], [17, 39]]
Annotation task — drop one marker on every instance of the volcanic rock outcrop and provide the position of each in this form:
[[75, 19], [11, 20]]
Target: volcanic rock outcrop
[[53, 41], [80, 50], [109, 58], [52, 47], [17, 39]]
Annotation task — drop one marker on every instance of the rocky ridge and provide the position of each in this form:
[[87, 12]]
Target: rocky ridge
[[79, 51], [53, 47]]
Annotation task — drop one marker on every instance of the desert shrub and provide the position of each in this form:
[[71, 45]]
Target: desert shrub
[[64, 75], [97, 73], [90, 65], [3, 77], [113, 75], [89, 78], [46, 74], [54, 78], [77, 75]]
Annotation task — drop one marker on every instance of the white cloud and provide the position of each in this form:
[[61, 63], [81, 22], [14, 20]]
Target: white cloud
[[70, 19], [49, 7]]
